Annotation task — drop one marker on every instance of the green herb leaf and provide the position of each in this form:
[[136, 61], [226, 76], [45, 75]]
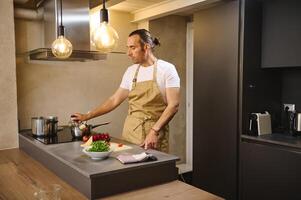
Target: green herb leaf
[[99, 146]]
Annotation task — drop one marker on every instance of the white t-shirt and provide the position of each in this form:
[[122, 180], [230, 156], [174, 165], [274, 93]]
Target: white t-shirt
[[167, 76]]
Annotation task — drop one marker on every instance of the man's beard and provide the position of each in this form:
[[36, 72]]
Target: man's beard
[[135, 61]]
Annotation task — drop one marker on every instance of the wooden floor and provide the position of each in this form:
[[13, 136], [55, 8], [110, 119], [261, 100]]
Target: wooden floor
[[21, 177], [175, 190]]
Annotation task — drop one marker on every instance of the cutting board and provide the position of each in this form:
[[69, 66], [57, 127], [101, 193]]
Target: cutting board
[[118, 147]]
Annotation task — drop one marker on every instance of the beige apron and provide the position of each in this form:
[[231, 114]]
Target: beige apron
[[146, 105]]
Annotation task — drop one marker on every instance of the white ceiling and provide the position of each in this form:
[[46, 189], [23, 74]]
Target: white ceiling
[[134, 5]]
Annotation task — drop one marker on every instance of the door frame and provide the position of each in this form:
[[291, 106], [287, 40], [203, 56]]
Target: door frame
[[187, 167]]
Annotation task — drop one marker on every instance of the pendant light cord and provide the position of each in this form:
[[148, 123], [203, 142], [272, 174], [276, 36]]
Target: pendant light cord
[[104, 16], [61, 12], [60, 27]]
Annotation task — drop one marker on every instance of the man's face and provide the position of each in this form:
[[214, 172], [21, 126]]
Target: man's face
[[136, 51]]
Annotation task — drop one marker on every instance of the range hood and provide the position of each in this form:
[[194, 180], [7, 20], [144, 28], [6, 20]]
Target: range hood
[[77, 31]]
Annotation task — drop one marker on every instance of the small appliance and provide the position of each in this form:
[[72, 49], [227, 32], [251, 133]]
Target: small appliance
[[260, 124], [291, 123]]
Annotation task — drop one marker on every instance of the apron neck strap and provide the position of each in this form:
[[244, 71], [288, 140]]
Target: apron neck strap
[[135, 77], [155, 70]]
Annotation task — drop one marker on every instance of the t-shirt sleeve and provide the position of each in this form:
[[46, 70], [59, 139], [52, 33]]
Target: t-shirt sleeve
[[125, 82], [172, 78]]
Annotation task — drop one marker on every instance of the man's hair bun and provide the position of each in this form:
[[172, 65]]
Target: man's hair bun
[[156, 41]]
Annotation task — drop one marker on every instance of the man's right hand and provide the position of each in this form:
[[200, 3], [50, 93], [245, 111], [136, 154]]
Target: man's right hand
[[78, 117]]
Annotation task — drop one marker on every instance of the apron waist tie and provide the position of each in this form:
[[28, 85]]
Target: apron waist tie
[[143, 122]]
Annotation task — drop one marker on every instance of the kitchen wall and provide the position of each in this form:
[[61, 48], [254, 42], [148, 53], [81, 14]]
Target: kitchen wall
[[171, 31], [8, 97], [143, 25], [62, 88], [291, 81]]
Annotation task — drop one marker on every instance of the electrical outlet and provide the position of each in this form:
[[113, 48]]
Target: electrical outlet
[[291, 107]]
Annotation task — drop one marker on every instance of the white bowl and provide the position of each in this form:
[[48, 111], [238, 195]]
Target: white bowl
[[96, 155]]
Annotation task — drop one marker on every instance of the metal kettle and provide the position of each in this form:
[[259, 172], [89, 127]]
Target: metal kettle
[[297, 123]]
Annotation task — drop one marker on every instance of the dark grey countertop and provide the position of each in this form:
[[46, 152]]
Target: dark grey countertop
[[283, 140], [71, 154]]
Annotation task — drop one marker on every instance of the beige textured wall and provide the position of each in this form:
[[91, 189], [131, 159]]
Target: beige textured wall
[[143, 25], [29, 35], [8, 97], [171, 31], [61, 88], [121, 22]]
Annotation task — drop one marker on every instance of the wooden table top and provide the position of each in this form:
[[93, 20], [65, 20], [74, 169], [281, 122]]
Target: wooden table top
[[21, 176]]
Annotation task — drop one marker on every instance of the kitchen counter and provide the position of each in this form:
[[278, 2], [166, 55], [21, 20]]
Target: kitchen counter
[[97, 179], [282, 140], [21, 176]]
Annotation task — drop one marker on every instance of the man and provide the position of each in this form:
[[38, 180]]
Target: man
[[152, 87]]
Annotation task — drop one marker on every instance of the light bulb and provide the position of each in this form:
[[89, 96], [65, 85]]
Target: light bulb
[[61, 47], [104, 38]]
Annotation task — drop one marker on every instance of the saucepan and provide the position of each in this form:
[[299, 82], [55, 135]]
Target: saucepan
[[79, 129], [44, 126]]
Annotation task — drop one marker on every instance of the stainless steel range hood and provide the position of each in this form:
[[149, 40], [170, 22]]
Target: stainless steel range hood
[[77, 31], [77, 55]]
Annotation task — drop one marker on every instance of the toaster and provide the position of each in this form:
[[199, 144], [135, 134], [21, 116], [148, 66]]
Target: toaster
[[260, 123]]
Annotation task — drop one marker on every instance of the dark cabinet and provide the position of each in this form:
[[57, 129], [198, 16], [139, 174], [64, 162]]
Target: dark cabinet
[[261, 89], [215, 143], [268, 172], [268, 27], [277, 31], [270, 40], [230, 82], [281, 30]]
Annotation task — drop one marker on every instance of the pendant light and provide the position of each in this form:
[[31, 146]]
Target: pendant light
[[61, 47], [104, 37]]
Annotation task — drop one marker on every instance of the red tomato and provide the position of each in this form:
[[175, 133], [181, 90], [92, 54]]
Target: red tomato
[[85, 138]]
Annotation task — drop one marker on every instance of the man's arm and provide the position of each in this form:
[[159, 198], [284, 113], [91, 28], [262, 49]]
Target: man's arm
[[110, 104], [173, 101]]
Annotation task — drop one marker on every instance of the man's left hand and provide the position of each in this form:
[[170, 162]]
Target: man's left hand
[[151, 140]]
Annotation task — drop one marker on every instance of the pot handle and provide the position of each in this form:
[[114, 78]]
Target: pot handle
[[97, 125]]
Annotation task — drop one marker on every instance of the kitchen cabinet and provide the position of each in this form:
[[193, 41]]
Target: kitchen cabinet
[[281, 30], [265, 89], [268, 164], [260, 88], [277, 31], [269, 172], [215, 142]]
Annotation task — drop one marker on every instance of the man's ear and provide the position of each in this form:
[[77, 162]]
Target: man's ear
[[146, 46]]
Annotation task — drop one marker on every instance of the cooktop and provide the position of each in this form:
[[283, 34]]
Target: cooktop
[[62, 136]]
